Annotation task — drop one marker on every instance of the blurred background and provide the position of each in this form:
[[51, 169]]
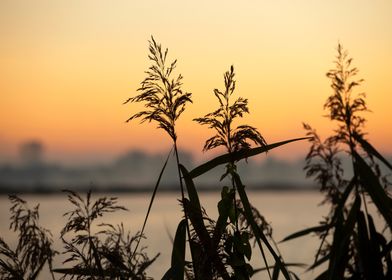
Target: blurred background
[[66, 67]]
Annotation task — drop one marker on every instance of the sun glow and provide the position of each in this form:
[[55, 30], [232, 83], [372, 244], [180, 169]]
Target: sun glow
[[66, 67]]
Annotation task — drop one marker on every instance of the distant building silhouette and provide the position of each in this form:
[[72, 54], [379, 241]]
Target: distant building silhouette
[[31, 153]]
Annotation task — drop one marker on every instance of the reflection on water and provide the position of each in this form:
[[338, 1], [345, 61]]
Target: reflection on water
[[286, 211]]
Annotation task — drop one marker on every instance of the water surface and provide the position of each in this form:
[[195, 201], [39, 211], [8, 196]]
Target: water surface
[[287, 212]]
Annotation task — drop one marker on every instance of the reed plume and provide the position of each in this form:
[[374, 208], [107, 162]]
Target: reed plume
[[221, 120], [161, 94]]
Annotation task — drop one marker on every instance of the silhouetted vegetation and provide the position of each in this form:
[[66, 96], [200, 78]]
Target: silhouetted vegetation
[[34, 246], [352, 245], [95, 251], [107, 253], [238, 221]]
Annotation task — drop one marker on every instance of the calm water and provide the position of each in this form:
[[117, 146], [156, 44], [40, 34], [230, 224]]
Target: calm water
[[286, 211]]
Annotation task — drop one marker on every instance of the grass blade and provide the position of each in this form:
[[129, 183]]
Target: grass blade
[[369, 253], [96, 258], [318, 262], [167, 275], [235, 156], [80, 271], [287, 265], [178, 253], [371, 150], [373, 187], [338, 210], [322, 276], [275, 273], [306, 231], [152, 201], [194, 213], [343, 198], [259, 235], [341, 239], [193, 209], [377, 243], [192, 193]]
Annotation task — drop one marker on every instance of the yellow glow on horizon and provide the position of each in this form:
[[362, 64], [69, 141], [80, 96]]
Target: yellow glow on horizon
[[67, 66]]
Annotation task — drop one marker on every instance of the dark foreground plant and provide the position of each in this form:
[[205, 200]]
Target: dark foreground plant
[[222, 120], [238, 221], [352, 245], [100, 251], [164, 101], [34, 246], [161, 94], [218, 249]]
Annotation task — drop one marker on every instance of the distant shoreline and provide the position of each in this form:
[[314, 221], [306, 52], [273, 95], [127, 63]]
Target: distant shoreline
[[42, 190]]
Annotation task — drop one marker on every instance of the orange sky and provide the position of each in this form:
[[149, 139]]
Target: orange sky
[[67, 66]]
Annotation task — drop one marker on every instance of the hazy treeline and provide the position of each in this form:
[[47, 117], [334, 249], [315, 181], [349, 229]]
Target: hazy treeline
[[135, 170]]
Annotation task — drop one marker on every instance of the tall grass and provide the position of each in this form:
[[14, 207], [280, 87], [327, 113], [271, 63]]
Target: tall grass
[[351, 244], [34, 247], [223, 245], [235, 238], [104, 254], [165, 101], [92, 250]]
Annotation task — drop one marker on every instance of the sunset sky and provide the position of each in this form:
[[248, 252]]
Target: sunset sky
[[66, 67]]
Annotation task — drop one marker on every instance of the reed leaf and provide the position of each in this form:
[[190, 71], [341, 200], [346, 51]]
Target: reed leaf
[[343, 231], [178, 253], [369, 250], [322, 276], [236, 156], [210, 246], [192, 192], [372, 186], [152, 200], [259, 235], [319, 262], [303, 232], [370, 149], [273, 266], [377, 244]]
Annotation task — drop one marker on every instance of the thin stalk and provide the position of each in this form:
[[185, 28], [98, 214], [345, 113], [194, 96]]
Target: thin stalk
[[234, 199], [89, 236], [235, 206], [179, 171], [151, 202], [232, 165], [361, 190], [183, 199], [51, 269]]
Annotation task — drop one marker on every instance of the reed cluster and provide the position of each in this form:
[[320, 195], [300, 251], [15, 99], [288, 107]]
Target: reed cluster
[[351, 246]]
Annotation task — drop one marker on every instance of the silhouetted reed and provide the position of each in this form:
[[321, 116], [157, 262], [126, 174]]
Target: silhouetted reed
[[161, 94], [217, 249], [105, 254], [351, 244], [222, 121], [165, 101], [34, 247], [238, 220]]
